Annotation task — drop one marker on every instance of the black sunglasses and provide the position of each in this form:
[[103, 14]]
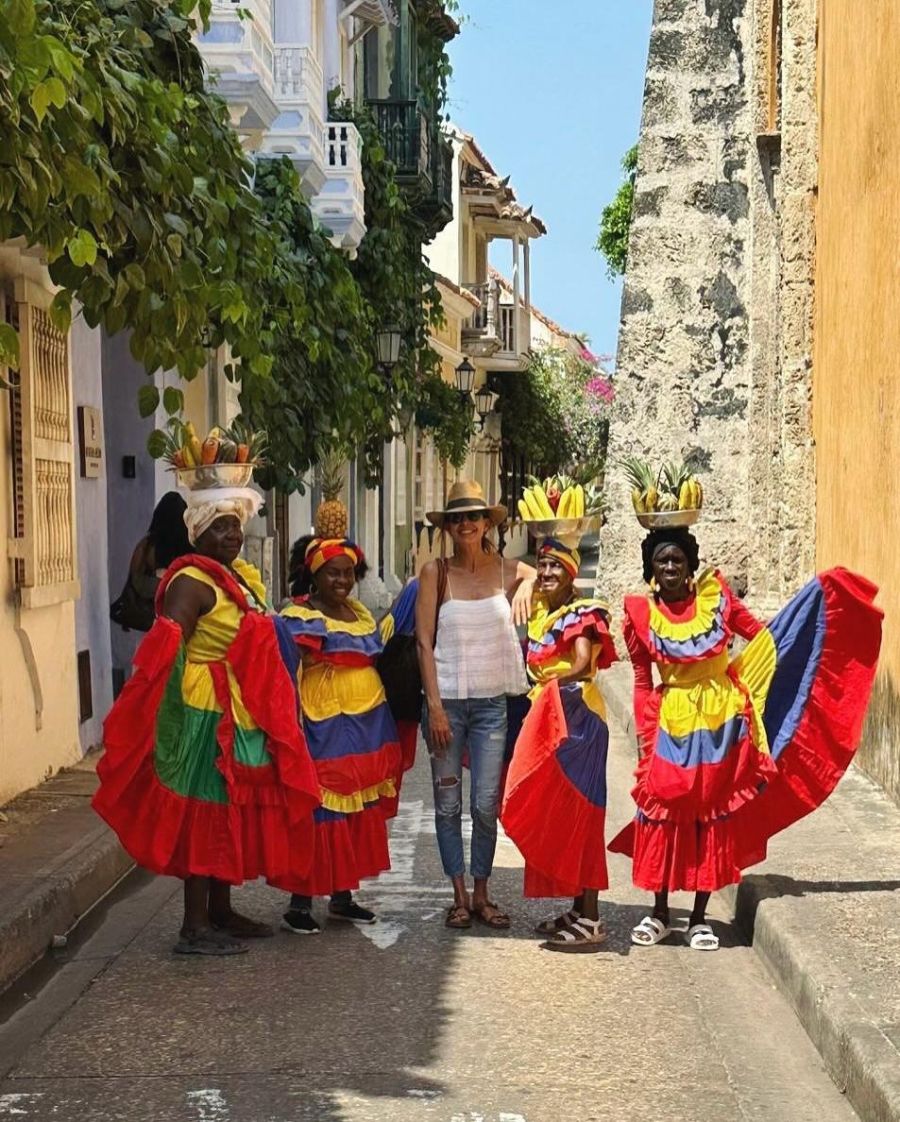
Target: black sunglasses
[[466, 516]]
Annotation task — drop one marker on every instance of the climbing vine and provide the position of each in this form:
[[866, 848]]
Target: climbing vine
[[125, 169], [615, 222]]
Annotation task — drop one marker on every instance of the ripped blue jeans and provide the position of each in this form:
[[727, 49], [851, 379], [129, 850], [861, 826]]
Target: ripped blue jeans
[[479, 724]]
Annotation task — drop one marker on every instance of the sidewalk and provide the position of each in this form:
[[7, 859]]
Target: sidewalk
[[822, 913], [57, 859]]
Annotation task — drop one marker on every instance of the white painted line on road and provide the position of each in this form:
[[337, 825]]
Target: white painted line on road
[[210, 1104], [18, 1103]]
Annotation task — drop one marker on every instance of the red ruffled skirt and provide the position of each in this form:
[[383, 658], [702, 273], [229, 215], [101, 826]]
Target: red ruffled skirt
[[807, 678]]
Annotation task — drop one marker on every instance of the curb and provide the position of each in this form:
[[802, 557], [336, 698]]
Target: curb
[[55, 902], [859, 1058]]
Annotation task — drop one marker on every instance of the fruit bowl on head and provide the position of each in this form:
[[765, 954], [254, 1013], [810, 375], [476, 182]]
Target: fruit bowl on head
[[210, 476], [667, 519], [569, 531]]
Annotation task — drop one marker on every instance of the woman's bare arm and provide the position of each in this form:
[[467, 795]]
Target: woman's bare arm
[[186, 600], [426, 611]]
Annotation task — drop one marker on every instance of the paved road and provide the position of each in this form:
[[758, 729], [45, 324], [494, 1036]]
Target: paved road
[[406, 1020]]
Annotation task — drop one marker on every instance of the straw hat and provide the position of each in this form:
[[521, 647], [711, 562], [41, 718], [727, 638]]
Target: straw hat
[[465, 495]]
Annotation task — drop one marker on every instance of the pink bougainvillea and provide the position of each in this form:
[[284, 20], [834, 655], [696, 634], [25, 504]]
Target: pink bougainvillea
[[600, 386]]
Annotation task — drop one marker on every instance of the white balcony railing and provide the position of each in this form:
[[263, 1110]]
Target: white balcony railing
[[299, 129], [238, 52], [340, 204]]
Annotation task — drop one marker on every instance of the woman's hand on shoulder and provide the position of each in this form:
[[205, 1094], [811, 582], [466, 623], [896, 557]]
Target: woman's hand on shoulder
[[523, 602]]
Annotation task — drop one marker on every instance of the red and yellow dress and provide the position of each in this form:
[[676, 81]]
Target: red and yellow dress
[[734, 750], [554, 805], [353, 742], [205, 770]]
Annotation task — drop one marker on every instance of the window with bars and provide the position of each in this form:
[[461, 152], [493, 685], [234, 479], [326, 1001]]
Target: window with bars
[[43, 453]]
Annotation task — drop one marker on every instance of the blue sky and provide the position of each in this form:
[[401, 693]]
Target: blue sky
[[552, 92]]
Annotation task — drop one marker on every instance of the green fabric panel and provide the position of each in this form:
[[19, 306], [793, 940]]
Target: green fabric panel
[[250, 747], [186, 749]]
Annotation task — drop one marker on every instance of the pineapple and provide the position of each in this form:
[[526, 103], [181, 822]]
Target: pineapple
[[644, 493], [332, 518]]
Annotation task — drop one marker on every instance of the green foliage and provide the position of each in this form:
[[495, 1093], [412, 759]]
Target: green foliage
[[125, 169], [556, 413], [615, 222], [399, 288]]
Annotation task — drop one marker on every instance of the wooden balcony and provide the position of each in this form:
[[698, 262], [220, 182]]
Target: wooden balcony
[[497, 330], [404, 129]]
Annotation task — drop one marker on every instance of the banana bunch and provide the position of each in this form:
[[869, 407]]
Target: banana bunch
[[180, 444], [673, 487], [559, 496]]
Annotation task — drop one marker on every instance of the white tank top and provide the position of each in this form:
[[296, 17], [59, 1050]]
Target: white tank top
[[477, 653]]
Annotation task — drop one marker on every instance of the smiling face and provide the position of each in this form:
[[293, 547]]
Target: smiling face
[[671, 571], [467, 527], [335, 580], [554, 581], [222, 541]]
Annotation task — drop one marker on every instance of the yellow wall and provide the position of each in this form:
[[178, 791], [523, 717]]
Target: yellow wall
[[28, 753], [856, 397]]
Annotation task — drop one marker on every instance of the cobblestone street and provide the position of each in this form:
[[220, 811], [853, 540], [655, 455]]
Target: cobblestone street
[[405, 1020]]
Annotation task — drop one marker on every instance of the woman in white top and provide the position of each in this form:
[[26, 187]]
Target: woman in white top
[[469, 667]]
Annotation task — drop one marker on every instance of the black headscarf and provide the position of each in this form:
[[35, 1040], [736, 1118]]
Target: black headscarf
[[679, 536]]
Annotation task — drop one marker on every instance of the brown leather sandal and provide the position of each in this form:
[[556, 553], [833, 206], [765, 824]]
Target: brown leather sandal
[[458, 917], [499, 921]]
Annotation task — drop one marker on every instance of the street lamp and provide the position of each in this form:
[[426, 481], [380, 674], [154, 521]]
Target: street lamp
[[484, 404], [387, 345], [465, 379]]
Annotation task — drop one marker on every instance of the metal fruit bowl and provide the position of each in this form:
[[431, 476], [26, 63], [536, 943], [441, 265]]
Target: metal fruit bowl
[[668, 519], [569, 531], [209, 476]]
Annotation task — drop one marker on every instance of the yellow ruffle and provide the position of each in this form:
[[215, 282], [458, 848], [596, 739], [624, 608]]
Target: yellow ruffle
[[755, 666], [252, 577], [364, 624], [542, 619], [353, 804], [708, 594], [705, 705], [327, 690]]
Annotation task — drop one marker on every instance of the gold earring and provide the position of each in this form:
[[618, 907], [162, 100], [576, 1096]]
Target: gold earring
[[654, 587], [690, 584]]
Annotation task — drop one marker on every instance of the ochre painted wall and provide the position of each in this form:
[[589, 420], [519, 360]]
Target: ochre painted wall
[[856, 382]]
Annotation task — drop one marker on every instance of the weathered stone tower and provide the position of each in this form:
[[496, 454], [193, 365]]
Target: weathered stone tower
[[715, 344]]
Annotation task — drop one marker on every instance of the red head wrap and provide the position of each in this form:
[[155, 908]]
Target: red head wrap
[[321, 550]]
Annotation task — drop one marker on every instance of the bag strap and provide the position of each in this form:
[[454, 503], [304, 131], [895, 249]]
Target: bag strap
[[443, 576]]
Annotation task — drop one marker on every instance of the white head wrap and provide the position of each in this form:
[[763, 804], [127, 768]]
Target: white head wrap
[[204, 507]]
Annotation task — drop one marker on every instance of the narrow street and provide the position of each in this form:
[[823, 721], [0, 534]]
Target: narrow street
[[405, 1020]]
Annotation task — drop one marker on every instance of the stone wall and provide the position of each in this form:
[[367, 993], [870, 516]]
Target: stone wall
[[715, 338]]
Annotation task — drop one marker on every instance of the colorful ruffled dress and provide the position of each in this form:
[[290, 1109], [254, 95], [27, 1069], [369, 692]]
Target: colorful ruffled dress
[[205, 770], [352, 739], [732, 751], [554, 807]]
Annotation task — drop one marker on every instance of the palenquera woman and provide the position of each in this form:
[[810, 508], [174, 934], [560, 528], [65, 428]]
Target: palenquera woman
[[351, 734], [205, 774], [555, 803], [732, 751]]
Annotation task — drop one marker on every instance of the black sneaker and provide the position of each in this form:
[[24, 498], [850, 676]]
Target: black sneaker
[[300, 922], [351, 913]]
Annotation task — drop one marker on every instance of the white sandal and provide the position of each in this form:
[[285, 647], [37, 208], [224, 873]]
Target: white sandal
[[649, 932], [584, 936], [701, 937]]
